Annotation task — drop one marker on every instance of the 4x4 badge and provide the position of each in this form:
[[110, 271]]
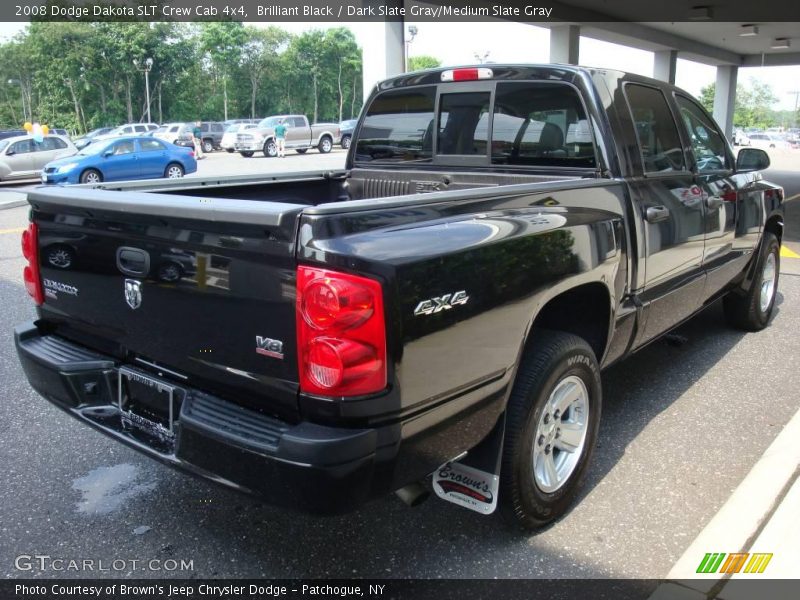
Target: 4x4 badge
[[440, 303], [133, 293]]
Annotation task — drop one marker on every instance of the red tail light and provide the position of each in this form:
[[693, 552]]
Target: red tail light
[[469, 74], [341, 333], [31, 275]]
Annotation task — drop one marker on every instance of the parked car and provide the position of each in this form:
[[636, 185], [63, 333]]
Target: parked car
[[768, 141], [127, 130], [346, 132], [23, 158], [172, 132], [228, 142], [87, 139], [211, 133], [122, 159], [300, 136], [7, 133], [740, 138], [438, 310]]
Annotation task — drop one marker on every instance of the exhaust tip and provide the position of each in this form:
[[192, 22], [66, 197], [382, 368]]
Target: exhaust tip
[[413, 494]]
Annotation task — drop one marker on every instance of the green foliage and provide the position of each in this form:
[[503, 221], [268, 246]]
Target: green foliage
[[81, 75], [423, 61], [754, 102]]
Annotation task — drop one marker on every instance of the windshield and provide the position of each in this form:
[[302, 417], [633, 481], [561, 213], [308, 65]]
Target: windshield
[[96, 147], [269, 122]]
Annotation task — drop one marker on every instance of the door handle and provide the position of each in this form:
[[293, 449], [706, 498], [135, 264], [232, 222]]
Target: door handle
[[656, 214], [713, 202]]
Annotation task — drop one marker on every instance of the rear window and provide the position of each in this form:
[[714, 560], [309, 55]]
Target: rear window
[[529, 124]]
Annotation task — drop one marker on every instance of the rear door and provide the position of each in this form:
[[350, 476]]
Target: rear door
[[19, 158], [152, 157], [672, 211], [298, 133]]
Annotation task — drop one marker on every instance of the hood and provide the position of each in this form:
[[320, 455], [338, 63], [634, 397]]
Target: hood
[[65, 161]]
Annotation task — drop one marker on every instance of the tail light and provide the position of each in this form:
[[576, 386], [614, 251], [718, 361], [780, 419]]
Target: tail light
[[469, 74], [341, 333], [31, 275], [774, 194]]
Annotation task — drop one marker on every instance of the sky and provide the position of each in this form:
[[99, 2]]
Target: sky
[[463, 43]]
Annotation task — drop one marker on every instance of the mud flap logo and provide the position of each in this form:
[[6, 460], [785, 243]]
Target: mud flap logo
[[468, 487]]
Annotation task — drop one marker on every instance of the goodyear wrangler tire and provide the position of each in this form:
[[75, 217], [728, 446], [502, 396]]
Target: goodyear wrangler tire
[[752, 309], [552, 420]]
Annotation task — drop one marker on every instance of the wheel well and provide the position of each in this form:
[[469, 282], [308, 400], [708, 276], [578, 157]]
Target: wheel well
[[325, 135], [775, 225], [583, 311]]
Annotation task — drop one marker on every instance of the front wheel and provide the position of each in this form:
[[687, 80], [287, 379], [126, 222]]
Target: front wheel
[[751, 309], [325, 145], [271, 149], [208, 146], [246, 154], [91, 176], [301, 150], [552, 420], [229, 150], [173, 171]]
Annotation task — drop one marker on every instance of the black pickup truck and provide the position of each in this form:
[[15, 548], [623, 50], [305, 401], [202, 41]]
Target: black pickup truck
[[441, 306]]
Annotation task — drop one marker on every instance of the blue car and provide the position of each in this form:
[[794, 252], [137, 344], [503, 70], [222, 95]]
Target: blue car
[[122, 159]]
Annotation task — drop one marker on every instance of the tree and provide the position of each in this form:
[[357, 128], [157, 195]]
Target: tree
[[260, 57], [753, 106], [423, 61], [223, 43]]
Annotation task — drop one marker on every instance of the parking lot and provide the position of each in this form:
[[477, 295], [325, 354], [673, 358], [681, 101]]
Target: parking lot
[[682, 424]]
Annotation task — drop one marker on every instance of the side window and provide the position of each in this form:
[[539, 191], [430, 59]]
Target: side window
[[204, 127], [125, 147], [52, 143], [297, 122], [708, 144], [22, 147], [463, 119], [217, 128], [140, 128], [150, 145], [127, 130], [659, 142]]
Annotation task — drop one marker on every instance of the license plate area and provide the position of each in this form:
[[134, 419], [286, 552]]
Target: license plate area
[[148, 404]]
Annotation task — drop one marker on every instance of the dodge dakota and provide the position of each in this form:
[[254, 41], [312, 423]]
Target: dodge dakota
[[437, 313]]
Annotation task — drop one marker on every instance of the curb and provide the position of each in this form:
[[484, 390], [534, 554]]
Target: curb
[[12, 203], [740, 521]]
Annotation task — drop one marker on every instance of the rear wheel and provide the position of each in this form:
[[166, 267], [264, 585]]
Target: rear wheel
[[301, 150], [208, 146], [346, 142], [91, 176], [270, 149], [173, 171], [325, 145], [229, 150], [751, 310], [552, 420], [246, 154]]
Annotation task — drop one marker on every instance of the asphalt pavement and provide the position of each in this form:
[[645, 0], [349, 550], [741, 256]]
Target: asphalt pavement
[[683, 423]]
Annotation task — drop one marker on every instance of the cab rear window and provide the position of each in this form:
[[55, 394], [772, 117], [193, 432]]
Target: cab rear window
[[536, 124]]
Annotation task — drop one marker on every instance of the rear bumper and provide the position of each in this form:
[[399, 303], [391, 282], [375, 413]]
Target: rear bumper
[[307, 466]]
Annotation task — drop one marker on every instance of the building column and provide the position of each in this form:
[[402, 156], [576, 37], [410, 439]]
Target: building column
[[725, 97], [565, 44], [664, 65], [384, 50]]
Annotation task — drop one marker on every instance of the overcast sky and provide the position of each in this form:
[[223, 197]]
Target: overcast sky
[[459, 43]]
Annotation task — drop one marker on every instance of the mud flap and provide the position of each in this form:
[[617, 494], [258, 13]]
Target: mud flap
[[474, 480]]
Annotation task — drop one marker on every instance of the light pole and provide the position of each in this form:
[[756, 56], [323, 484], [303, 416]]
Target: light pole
[[145, 68], [22, 96], [796, 98], [412, 33]]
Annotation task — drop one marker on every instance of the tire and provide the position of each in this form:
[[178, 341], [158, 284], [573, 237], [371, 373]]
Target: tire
[[91, 176], [559, 366], [325, 145], [229, 150], [173, 171], [346, 142], [169, 272], [270, 149], [301, 150], [208, 146], [752, 309], [60, 257], [247, 153]]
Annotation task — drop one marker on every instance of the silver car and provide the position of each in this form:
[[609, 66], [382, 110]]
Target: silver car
[[23, 158]]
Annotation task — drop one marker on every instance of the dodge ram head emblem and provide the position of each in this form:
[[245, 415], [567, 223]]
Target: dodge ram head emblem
[[440, 303], [133, 293]]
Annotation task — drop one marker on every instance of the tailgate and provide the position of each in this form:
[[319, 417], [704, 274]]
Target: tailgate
[[201, 287]]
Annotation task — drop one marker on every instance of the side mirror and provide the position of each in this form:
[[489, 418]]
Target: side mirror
[[10, 152], [108, 153], [752, 159]]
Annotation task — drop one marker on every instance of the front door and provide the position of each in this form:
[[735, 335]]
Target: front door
[[19, 159]]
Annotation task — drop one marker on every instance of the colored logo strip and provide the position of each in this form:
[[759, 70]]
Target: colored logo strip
[[713, 562]]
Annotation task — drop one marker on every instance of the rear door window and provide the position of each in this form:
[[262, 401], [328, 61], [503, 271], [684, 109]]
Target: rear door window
[[463, 123], [656, 130], [150, 145], [140, 128]]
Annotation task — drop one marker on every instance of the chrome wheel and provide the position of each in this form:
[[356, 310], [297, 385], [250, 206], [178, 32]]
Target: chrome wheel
[[325, 145], [174, 172], [91, 177], [561, 434], [346, 142], [271, 149], [767, 283]]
